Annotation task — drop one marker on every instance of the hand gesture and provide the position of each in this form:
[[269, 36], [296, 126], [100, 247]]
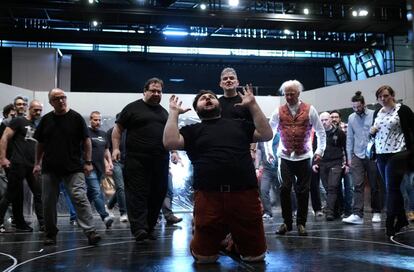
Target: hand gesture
[[175, 105], [116, 154], [247, 96], [315, 168]]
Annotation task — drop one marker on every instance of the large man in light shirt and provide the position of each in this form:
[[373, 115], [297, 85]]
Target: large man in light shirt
[[294, 122]]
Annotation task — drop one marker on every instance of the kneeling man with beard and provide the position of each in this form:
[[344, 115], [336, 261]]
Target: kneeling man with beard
[[226, 198]]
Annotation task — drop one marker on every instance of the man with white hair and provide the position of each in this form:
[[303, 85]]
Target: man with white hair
[[294, 122]]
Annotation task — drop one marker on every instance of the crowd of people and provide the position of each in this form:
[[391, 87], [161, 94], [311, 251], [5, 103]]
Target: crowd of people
[[299, 149]]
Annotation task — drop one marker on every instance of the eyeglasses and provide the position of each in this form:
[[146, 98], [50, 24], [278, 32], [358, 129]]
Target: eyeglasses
[[58, 98]]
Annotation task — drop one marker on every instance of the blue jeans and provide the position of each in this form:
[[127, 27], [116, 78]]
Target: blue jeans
[[408, 190], [348, 193], [72, 212], [119, 195], [269, 180], [95, 195]]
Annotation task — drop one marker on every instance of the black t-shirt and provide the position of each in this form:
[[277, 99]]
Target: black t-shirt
[[121, 146], [219, 152], [228, 110], [62, 137], [335, 145], [22, 144], [99, 144], [145, 127]]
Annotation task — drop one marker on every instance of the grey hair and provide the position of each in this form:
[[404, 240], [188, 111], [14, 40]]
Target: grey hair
[[291, 84], [228, 70]]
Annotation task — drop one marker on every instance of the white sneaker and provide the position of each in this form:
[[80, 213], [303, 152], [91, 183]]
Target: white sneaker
[[123, 218], [376, 218], [110, 211], [353, 219]]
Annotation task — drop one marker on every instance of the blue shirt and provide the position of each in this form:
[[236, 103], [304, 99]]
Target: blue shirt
[[358, 133]]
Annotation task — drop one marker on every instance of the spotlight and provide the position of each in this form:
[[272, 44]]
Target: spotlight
[[233, 3], [287, 32], [90, 1], [354, 13], [306, 11], [363, 12], [203, 6], [95, 23]]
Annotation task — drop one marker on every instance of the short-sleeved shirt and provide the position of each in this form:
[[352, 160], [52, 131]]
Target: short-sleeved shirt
[[62, 137], [219, 152], [121, 146], [228, 110], [145, 128], [22, 144], [99, 144]]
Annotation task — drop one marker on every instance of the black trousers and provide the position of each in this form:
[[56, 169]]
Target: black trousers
[[292, 172], [15, 176], [146, 183]]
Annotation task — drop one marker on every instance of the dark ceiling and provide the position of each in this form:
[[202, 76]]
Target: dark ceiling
[[329, 26]]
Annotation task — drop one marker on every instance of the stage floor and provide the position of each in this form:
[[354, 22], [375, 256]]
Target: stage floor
[[329, 246]]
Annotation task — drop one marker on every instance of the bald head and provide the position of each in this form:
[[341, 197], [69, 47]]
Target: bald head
[[35, 110], [326, 120], [57, 98]]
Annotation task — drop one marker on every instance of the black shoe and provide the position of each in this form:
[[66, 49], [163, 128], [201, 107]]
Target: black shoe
[[330, 217], [141, 235], [151, 236], [42, 228], [302, 230], [283, 229], [401, 223], [389, 226], [173, 220], [93, 238], [24, 228], [108, 221], [49, 240]]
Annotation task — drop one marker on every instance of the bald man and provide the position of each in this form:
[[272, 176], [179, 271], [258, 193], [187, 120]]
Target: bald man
[[60, 135], [332, 164], [19, 134]]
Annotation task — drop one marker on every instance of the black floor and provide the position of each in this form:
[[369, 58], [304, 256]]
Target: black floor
[[330, 246]]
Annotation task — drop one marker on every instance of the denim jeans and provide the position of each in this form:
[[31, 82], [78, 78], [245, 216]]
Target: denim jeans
[[408, 190], [95, 195], [119, 196], [72, 212], [268, 181], [348, 193], [391, 168]]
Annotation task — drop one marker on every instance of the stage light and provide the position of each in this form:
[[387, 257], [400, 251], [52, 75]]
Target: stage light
[[354, 13], [363, 12], [233, 3], [175, 33], [90, 1], [95, 23], [203, 6], [306, 11]]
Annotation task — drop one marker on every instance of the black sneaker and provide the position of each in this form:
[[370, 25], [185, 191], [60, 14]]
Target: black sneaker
[[108, 221], [49, 240], [24, 228], [151, 236], [93, 238], [283, 229], [330, 217], [141, 235]]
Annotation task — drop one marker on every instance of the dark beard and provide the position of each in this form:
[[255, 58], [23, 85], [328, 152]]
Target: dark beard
[[209, 114]]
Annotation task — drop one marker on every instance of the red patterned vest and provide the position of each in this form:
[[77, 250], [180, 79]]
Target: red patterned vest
[[295, 131]]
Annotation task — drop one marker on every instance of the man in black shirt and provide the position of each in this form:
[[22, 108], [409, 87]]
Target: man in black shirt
[[19, 134], [226, 192], [146, 161], [102, 164], [332, 164], [58, 157]]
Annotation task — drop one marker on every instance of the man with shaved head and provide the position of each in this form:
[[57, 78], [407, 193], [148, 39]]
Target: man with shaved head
[[332, 164], [60, 135], [19, 134]]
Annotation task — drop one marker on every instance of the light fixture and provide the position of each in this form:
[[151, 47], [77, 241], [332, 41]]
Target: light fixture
[[354, 13], [233, 3], [175, 32], [94, 23], [203, 6], [306, 11], [363, 12], [287, 32]]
